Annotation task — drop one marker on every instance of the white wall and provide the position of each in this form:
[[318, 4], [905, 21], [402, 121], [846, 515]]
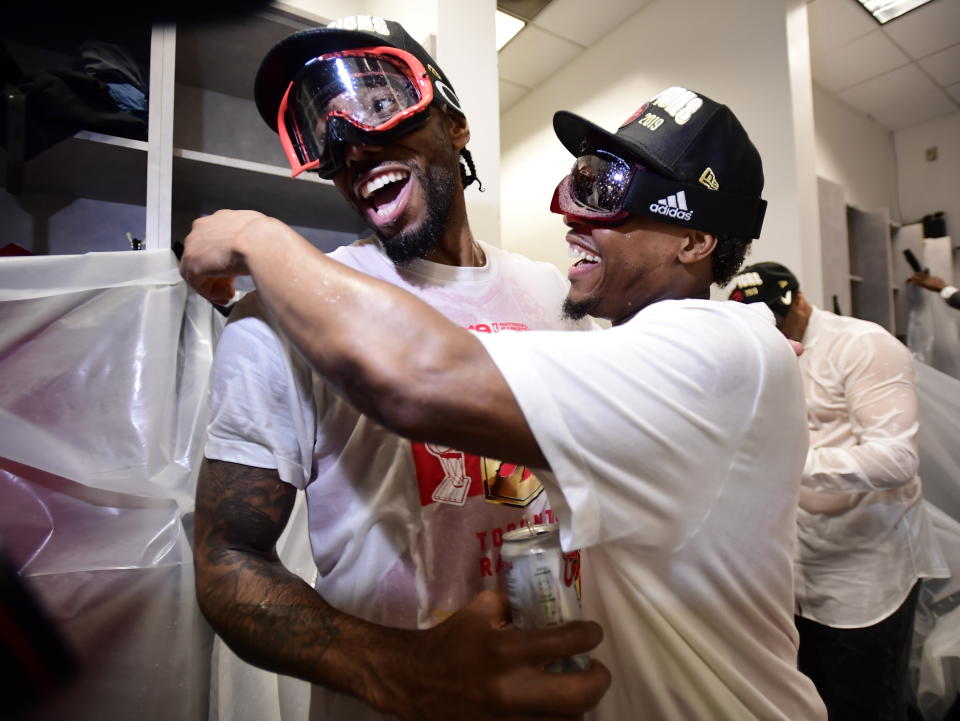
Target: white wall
[[857, 153], [735, 52], [467, 51], [926, 187]]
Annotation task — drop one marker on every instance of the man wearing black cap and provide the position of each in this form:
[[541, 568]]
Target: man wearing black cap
[[671, 443], [403, 534], [865, 540]]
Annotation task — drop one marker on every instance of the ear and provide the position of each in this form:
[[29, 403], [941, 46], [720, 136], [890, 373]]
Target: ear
[[696, 246], [457, 128]]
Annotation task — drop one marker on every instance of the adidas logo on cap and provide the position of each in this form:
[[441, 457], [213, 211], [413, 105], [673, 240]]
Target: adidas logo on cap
[[673, 206]]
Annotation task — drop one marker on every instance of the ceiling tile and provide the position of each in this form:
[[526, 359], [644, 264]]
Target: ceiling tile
[[954, 91], [569, 18], [927, 29], [944, 67], [854, 62], [533, 55], [510, 93], [899, 99], [836, 22]]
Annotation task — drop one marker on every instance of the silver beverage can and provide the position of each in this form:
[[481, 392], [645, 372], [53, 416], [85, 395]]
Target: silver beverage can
[[543, 584]]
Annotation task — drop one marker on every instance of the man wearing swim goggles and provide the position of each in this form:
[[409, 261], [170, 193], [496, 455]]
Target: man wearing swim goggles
[[674, 441], [362, 103]]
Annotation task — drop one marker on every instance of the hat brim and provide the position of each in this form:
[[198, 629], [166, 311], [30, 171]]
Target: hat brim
[[577, 133], [289, 55]]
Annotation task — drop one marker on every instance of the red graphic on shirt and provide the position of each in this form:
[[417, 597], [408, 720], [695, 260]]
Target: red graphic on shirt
[[496, 327], [446, 475], [571, 571]]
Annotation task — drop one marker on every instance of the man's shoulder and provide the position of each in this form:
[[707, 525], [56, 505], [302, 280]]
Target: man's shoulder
[[365, 254], [845, 330], [693, 314]]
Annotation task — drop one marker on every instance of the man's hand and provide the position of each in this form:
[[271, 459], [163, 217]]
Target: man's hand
[[474, 667], [212, 255], [930, 282]]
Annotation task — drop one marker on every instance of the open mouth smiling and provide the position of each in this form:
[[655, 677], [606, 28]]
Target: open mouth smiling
[[385, 193], [588, 258]]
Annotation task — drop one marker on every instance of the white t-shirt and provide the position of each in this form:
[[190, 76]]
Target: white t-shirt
[[676, 442], [868, 538], [402, 534]]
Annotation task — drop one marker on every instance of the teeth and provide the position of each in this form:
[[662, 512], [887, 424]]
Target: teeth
[[378, 182], [575, 251]]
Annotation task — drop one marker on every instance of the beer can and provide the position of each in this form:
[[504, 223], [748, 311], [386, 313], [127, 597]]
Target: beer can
[[543, 584]]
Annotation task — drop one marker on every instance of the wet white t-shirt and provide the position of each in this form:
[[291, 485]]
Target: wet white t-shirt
[[403, 534], [676, 443]]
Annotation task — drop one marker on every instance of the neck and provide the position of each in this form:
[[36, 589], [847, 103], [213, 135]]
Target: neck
[[795, 324], [458, 246]]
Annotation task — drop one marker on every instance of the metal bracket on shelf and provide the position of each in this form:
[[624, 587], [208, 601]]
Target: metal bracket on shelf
[[16, 103]]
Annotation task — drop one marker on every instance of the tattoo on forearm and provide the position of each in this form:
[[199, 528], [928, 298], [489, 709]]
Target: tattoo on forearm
[[266, 613]]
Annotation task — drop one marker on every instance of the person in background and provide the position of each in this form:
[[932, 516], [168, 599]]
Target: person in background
[[938, 285], [671, 444], [864, 538], [405, 535]]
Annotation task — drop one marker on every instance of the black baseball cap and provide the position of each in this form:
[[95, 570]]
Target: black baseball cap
[[288, 56], [769, 283], [695, 145]]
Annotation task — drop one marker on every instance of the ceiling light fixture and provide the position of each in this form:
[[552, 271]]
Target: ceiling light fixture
[[886, 10], [507, 27]]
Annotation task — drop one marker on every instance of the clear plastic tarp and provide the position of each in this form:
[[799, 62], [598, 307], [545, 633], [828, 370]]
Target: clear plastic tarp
[[937, 631], [104, 361], [933, 330]]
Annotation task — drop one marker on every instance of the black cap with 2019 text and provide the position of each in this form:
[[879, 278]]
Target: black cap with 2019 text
[[685, 137]]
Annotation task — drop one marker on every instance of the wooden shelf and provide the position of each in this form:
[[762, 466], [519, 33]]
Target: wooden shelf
[[90, 165], [203, 183], [225, 57], [208, 147]]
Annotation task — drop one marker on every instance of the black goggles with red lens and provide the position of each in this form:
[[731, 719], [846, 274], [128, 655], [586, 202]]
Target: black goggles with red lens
[[604, 189]]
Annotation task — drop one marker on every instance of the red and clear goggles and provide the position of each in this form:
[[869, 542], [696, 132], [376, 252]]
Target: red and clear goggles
[[596, 189], [364, 95]]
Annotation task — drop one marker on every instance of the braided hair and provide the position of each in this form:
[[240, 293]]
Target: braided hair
[[468, 171]]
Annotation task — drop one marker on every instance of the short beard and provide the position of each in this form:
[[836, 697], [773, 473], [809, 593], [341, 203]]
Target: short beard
[[439, 185], [578, 309]]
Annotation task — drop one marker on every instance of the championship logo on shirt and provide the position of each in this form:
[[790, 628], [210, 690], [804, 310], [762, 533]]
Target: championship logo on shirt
[[508, 483], [446, 475]]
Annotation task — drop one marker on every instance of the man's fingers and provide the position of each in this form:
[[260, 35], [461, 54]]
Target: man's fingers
[[572, 638], [217, 290], [563, 694]]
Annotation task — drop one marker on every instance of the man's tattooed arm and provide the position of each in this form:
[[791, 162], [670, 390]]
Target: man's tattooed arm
[[468, 668], [268, 615]]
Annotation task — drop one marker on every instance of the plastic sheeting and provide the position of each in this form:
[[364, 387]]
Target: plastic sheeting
[[936, 663], [933, 330], [104, 361]]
